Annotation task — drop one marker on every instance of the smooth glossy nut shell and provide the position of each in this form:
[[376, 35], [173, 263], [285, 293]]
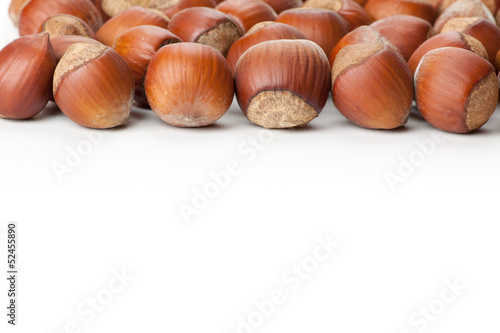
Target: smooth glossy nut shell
[[350, 10], [361, 35], [189, 85], [206, 26], [35, 12], [455, 90], [481, 29], [62, 43], [137, 47], [282, 83], [128, 19], [26, 70], [324, 27], [247, 13], [282, 5], [93, 86], [405, 32], [372, 86], [380, 9], [261, 32], [447, 39], [463, 8], [15, 9]]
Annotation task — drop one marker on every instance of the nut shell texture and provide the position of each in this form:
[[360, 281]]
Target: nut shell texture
[[189, 85], [261, 32], [128, 19], [324, 27], [138, 46], [405, 32], [372, 86], [35, 12], [206, 26], [26, 70], [455, 90], [447, 39], [247, 13], [93, 86], [282, 83]]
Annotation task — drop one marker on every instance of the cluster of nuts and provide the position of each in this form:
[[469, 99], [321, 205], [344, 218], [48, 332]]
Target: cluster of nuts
[[186, 59]]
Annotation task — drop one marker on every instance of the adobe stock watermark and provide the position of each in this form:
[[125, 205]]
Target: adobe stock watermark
[[408, 164], [89, 309], [202, 196], [292, 279], [420, 320], [75, 155]]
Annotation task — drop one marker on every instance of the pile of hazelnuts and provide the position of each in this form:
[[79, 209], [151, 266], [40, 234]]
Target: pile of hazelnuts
[[186, 59]]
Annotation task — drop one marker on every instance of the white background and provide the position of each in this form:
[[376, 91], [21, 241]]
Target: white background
[[118, 210]]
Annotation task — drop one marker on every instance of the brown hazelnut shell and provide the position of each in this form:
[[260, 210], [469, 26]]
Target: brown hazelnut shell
[[481, 29], [205, 26], [405, 32], [247, 13], [372, 86], [137, 47], [189, 85], [282, 5], [350, 10], [455, 90], [463, 8], [380, 9], [127, 19], [282, 83], [35, 12], [447, 39], [94, 86], [26, 69], [261, 32], [324, 27], [63, 25]]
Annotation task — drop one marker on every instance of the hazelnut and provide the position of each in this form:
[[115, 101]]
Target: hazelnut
[[115, 7], [380, 9], [183, 4], [189, 85], [247, 13], [62, 43], [447, 39], [15, 9], [127, 19], [350, 10], [372, 85], [138, 46], [282, 5], [324, 27], [93, 86], [405, 32], [492, 5], [26, 68], [481, 29], [63, 24], [104, 16], [282, 83], [261, 32], [455, 90], [463, 8], [205, 26], [35, 12], [361, 35]]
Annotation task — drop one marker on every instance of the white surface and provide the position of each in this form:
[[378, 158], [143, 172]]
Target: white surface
[[120, 209]]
